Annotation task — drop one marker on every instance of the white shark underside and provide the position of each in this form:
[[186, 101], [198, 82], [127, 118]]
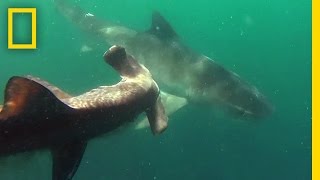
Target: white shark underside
[[177, 69]]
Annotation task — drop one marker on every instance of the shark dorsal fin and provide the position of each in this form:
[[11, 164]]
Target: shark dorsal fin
[[55, 90], [161, 28], [66, 159], [24, 96]]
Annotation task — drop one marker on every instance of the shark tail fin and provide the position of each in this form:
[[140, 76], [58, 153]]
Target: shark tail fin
[[25, 97], [77, 15]]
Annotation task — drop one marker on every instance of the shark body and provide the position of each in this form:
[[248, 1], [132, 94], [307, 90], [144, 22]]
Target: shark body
[[37, 115], [177, 69]]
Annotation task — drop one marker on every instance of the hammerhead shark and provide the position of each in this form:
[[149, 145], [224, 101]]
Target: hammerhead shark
[[187, 75], [37, 115]]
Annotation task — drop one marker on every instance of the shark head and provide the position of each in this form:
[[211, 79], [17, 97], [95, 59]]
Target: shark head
[[214, 84], [125, 64], [131, 70]]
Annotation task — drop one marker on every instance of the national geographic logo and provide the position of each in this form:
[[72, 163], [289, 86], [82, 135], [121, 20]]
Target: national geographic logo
[[33, 44]]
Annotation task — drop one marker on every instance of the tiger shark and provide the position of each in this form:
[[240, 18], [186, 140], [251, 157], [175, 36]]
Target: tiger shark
[[183, 74], [37, 115]]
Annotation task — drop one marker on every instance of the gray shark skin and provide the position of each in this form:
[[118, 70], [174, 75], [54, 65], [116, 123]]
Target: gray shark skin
[[176, 68], [37, 115]]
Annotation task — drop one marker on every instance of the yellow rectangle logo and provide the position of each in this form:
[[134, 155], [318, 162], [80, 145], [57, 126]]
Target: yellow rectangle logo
[[33, 12]]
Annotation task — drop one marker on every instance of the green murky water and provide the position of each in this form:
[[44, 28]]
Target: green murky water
[[267, 42]]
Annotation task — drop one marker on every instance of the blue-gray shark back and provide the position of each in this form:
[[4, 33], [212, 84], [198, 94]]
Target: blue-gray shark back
[[177, 69]]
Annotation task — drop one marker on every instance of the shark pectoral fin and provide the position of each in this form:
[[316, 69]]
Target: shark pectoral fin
[[157, 117], [66, 159], [161, 28], [171, 104]]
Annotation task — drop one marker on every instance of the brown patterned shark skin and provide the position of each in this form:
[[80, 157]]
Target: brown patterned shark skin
[[37, 115]]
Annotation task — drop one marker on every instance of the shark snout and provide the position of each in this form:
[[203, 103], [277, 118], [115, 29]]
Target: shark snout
[[263, 109], [125, 64], [114, 55], [258, 108]]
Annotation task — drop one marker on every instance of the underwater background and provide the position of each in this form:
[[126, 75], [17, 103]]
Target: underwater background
[[266, 42]]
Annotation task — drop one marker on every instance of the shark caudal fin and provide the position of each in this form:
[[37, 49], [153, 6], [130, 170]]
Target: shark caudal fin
[[83, 19], [26, 97]]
